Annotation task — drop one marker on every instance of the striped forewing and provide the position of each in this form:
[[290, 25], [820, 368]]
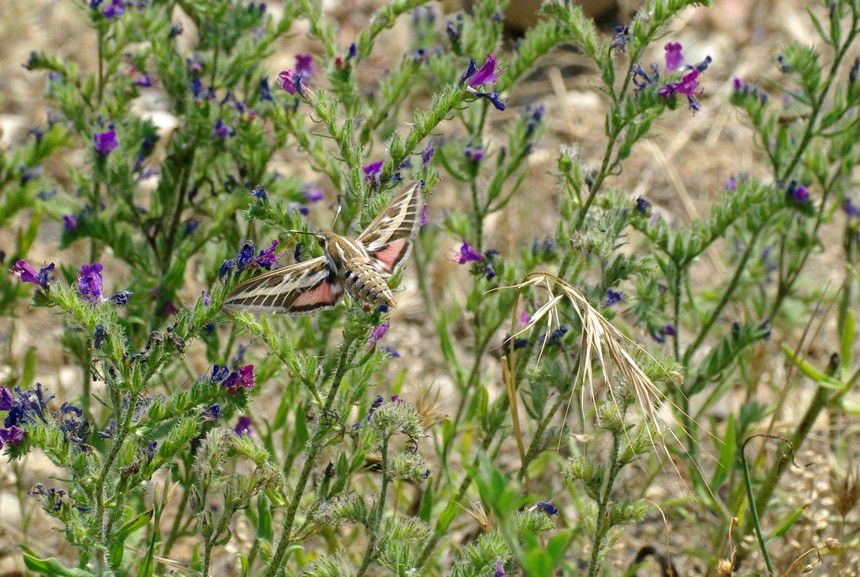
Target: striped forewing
[[299, 288], [388, 239]]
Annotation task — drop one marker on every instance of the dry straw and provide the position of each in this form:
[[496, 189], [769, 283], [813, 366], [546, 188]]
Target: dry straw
[[599, 340]]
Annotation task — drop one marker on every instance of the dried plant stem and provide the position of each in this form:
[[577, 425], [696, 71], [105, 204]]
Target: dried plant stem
[[313, 450]]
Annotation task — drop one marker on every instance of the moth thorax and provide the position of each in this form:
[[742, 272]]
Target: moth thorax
[[366, 284]]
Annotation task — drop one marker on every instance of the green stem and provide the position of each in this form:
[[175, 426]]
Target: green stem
[[313, 451], [753, 518], [603, 524], [376, 518]]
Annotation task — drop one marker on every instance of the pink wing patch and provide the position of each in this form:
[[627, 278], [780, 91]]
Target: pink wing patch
[[389, 255], [325, 294]]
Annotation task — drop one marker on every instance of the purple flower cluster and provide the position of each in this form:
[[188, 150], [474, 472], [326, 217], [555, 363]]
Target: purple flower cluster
[[246, 258], [613, 297], [797, 194], [90, 282], [24, 406], [243, 426], [687, 86], [467, 254], [234, 381], [373, 172], [747, 89]]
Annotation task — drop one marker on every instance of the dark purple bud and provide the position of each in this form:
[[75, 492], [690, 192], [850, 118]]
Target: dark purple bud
[[121, 298], [175, 30], [377, 333], [642, 205], [423, 218], [620, 38], [207, 300], [428, 152], [219, 373], [196, 88], [855, 68], [305, 64], [259, 192], [493, 97], [391, 352], [613, 297], [314, 195], [99, 337], [797, 193], [851, 209], [547, 508], [372, 169], [265, 90], [227, 266], [500, 569], [243, 427], [223, 130], [213, 413]]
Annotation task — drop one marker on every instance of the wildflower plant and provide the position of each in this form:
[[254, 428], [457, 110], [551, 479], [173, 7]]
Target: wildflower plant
[[292, 445]]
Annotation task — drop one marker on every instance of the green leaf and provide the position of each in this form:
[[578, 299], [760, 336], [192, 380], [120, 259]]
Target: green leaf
[[117, 543], [727, 455], [264, 518], [28, 372], [783, 527], [51, 566], [847, 342], [810, 371]]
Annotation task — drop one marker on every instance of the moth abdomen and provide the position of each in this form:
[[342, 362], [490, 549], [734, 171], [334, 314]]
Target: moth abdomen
[[367, 285]]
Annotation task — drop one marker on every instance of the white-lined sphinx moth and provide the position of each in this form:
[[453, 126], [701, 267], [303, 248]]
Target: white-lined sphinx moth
[[359, 266]]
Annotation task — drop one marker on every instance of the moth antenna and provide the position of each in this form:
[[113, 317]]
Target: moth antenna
[[316, 234], [336, 214]]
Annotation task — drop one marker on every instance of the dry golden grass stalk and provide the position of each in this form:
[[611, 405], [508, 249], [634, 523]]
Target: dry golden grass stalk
[[599, 340]]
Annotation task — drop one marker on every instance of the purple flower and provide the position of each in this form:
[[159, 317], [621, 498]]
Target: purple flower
[[196, 87], [480, 76], [797, 193], [143, 81], [641, 79], [669, 330], [613, 297], [474, 152], [227, 266], [24, 272], [27, 406], [674, 57], [851, 209], [467, 254], [267, 259], [5, 399], [223, 130], [207, 300], [547, 508], [245, 256], [240, 379], [243, 426], [213, 413], [688, 86], [642, 205], [428, 152], [121, 298], [219, 373], [70, 223], [114, 9], [500, 569], [731, 184], [305, 64], [313, 195], [90, 282], [11, 436], [292, 81], [423, 218], [532, 114], [377, 333], [372, 170], [105, 142]]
